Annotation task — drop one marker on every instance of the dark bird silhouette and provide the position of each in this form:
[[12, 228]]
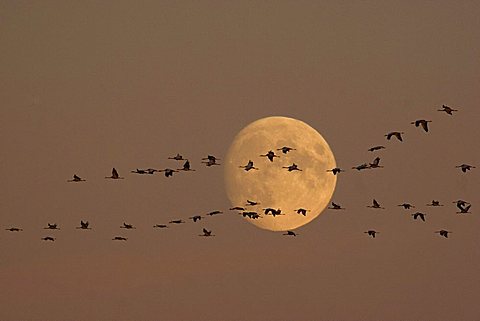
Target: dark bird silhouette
[[447, 109], [286, 149], [335, 170], [186, 167], [375, 163], [168, 171], [127, 226], [160, 226], [177, 157], [361, 166], [251, 214], [249, 166], [140, 171], [422, 122], [119, 238], [406, 206], [293, 167], [177, 222], [211, 158], [14, 229], [48, 238], [206, 233], [398, 135], [273, 212], [374, 148], [465, 167], [336, 207], [270, 155], [210, 163], [114, 175], [375, 205], [290, 233], [214, 213], [84, 225], [460, 204], [464, 210], [302, 211], [372, 233], [251, 203], [77, 179], [196, 218], [51, 227], [435, 203], [418, 214], [443, 233], [237, 208], [152, 171]]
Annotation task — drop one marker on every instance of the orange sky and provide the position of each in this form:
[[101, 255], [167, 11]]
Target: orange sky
[[88, 86]]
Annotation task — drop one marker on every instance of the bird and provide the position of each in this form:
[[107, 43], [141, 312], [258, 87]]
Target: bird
[[461, 203], [214, 213], [210, 162], [48, 238], [443, 233], [77, 178], [447, 109], [211, 158], [186, 167], [293, 167], [114, 175], [422, 122], [465, 167], [151, 171], [374, 148], [140, 171], [237, 208], [286, 149], [51, 227], [361, 166], [375, 163], [396, 134], [464, 210], [196, 218], [168, 171], [14, 229], [251, 203], [127, 226], [270, 155], [372, 233], [375, 205], [177, 222], [418, 214], [336, 207], [177, 157], [119, 238], [251, 214], [160, 226], [273, 212], [406, 206], [435, 203], [206, 233], [290, 233], [249, 166], [84, 225], [302, 211], [335, 170]]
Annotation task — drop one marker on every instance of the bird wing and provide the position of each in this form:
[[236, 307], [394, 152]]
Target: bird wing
[[375, 203], [425, 126], [114, 173]]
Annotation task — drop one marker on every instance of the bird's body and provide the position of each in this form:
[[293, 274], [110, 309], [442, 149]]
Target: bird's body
[[293, 167], [77, 178], [336, 207], [374, 148], [423, 123], [290, 233], [418, 214], [435, 203], [196, 218], [375, 163], [406, 206], [335, 170], [214, 213], [14, 229], [465, 167], [186, 167], [168, 171], [177, 222], [160, 226], [48, 238], [51, 227], [372, 233], [140, 171], [447, 109], [249, 166], [251, 203], [302, 211], [114, 175], [375, 205], [361, 166], [177, 157], [237, 208], [286, 149], [398, 135], [127, 226], [251, 214], [270, 155], [84, 225], [119, 238], [272, 211], [206, 233], [443, 233]]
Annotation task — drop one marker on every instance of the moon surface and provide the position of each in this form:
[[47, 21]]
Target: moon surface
[[274, 186]]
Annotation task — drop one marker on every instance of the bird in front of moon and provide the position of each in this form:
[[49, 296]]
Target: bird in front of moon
[[272, 185]]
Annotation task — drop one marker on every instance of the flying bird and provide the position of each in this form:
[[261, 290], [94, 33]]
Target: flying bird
[[335, 170], [51, 227], [375, 205], [270, 155], [211, 158], [443, 233], [206, 233], [302, 211], [374, 148], [237, 208], [84, 225], [151, 171], [160, 226], [48, 238], [372, 233], [77, 179], [286, 149], [273, 212], [251, 203], [186, 167], [127, 226], [168, 171], [214, 213], [177, 222], [406, 206], [336, 207], [119, 238], [422, 122], [140, 171], [447, 109], [398, 135], [435, 203], [361, 166], [293, 167], [249, 166], [464, 210], [461, 203], [251, 214], [290, 233], [196, 218], [375, 163], [114, 175], [465, 167], [418, 214], [177, 157], [14, 229]]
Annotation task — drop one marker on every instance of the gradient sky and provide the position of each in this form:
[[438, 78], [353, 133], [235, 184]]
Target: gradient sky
[[87, 86]]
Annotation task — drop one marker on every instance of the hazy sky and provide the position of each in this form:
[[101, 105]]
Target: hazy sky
[[86, 86]]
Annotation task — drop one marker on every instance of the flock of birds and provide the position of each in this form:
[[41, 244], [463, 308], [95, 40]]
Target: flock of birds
[[244, 210]]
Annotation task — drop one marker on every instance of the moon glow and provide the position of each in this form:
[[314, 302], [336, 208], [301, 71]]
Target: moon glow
[[274, 186]]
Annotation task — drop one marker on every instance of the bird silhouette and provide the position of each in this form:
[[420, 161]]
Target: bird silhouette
[[418, 214], [460, 203], [251, 214], [119, 238], [160, 226], [127, 226], [375, 163], [447, 109], [48, 238], [196, 218], [423, 123], [435, 203], [273, 212], [336, 207], [375, 205], [361, 166], [443, 233], [465, 167], [14, 229], [464, 210], [186, 167], [214, 213], [249, 166], [177, 222], [177, 157], [302, 211], [51, 227], [114, 175], [398, 135], [293, 167], [290, 233], [374, 148], [151, 171], [84, 225], [237, 208], [76, 178], [140, 171], [286, 149], [168, 171], [270, 155], [406, 206], [372, 233], [335, 170], [206, 233], [251, 203], [211, 158]]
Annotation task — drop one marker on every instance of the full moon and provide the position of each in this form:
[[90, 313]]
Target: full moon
[[273, 186]]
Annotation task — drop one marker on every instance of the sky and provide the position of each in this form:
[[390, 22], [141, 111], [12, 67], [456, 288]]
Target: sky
[[87, 86]]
